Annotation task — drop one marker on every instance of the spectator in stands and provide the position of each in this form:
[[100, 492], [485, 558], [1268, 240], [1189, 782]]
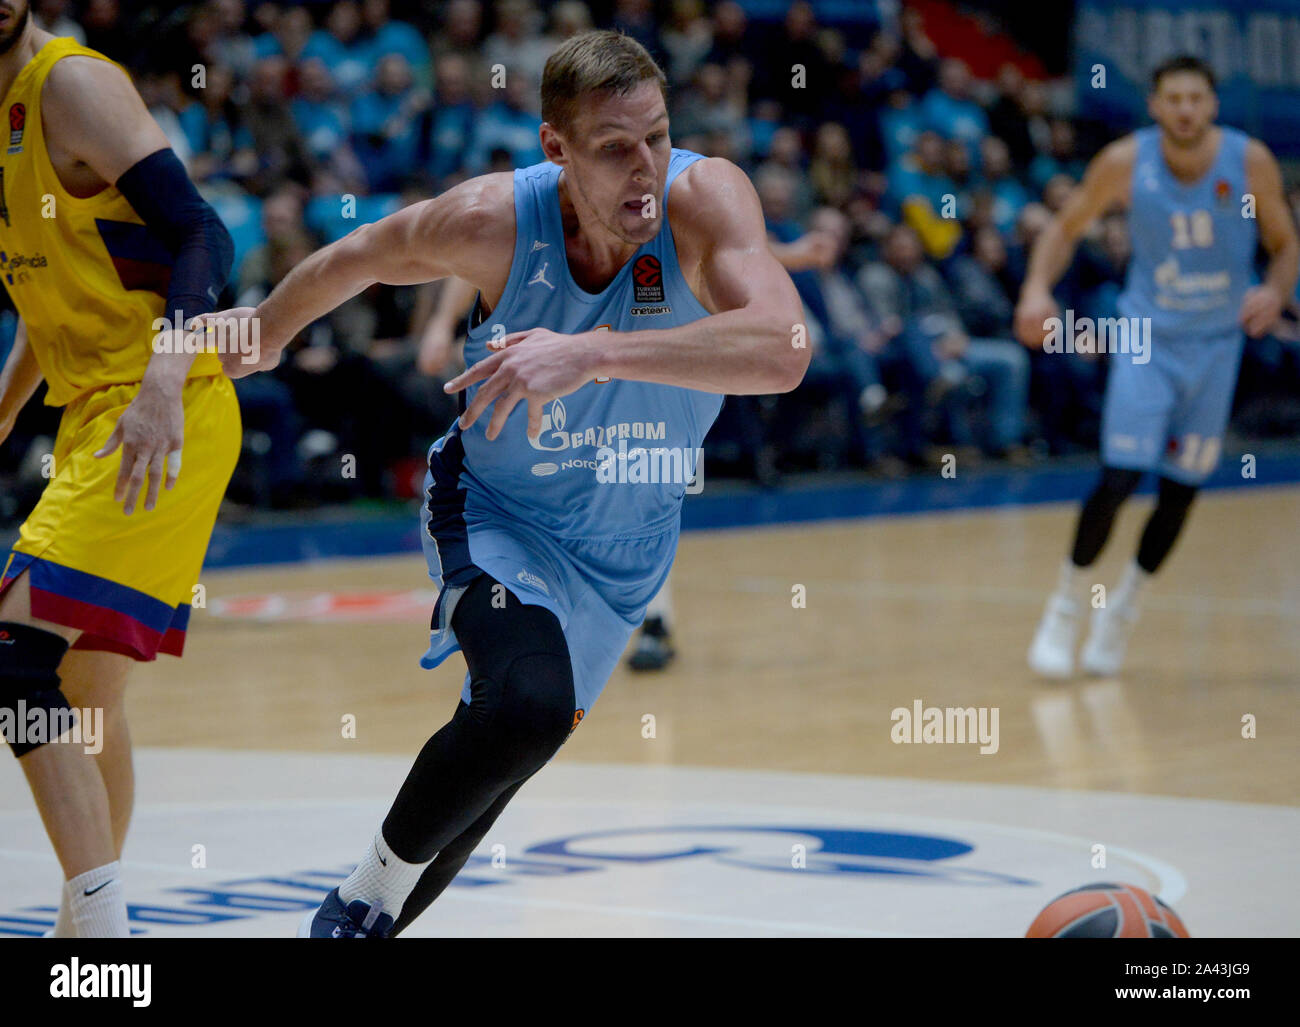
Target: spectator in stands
[[943, 364], [900, 126], [383, 35], [687, 39], [923, 195], [786, 152], [1008, 120], [341, 47], [508, 124], [949, 110], [518, 45], [568, 18], [636, 18], [708, 106], [269, 130], [1059, 158], [385, 124], [1009, 195], [448, 123], [831, 171], [919, 59], [53, 16], [231, 47], [1056, 191], [318, 110], [794, 70], [287, 36], [211, 127]]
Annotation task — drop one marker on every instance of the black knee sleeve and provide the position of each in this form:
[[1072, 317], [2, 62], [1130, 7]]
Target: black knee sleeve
[[1165, 523], [520, 712], [1098, 513], [29, 680]]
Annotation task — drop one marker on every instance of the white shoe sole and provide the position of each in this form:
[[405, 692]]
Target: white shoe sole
[[304, 926]]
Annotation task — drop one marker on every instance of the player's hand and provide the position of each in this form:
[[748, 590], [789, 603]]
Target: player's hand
[[1260, 309], [535, 367], [237, 336], [1032, 312], [151, 432]]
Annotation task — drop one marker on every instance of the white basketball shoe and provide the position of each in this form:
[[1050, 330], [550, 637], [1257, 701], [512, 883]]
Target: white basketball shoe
[[1108, 638], [1051, 654]]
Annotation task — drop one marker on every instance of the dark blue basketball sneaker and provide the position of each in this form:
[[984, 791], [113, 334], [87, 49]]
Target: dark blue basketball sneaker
[[355, 920]]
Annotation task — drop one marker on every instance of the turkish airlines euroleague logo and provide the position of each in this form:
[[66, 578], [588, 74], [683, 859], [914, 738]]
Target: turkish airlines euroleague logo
[[648, 279], [17, 119]]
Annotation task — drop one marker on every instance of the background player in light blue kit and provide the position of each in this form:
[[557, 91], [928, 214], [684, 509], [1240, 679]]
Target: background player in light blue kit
[[1195, 193], [624, 286]]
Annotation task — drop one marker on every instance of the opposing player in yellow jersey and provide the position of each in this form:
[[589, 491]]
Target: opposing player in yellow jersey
[[101, 235]]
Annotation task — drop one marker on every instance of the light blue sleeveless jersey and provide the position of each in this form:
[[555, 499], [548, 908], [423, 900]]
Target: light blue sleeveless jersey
[[552, 483], [1193, 251], [567, 522]]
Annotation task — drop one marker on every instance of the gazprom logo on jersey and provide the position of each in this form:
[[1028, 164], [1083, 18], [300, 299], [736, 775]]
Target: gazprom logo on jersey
[[1087, 335], [555, 438]]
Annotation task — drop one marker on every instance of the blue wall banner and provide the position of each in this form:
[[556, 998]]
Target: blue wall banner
[[1252, 45]]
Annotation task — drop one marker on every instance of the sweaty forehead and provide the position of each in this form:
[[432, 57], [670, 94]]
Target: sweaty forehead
[[635, 111]]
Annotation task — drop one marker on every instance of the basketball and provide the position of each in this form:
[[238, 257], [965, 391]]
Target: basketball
[[1107, 911]]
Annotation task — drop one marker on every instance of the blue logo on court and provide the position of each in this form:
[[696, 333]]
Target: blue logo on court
[[759, 847]]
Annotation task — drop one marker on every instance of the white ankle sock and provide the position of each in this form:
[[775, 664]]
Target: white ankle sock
[[1070, 584], [381, 877], [1131, 586], [97, 903], [63, 927]]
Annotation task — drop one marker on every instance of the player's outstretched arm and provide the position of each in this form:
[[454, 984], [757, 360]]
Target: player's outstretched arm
[[1263, 304], [95, 117], [753, 343], [1105, 183], [464, 232]]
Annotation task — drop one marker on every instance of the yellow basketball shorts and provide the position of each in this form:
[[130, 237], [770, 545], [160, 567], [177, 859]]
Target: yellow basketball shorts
[[126, 583]]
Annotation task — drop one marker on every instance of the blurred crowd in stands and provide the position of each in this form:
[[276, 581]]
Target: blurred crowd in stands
[[903, 195]]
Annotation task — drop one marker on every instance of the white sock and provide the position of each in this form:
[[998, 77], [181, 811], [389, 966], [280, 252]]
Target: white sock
[[1131, 586], [1070, 584], [63, 927], [661, 605], [102, 912], [382, 878]]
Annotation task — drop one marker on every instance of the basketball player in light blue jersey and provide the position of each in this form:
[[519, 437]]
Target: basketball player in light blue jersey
[[623, 288], [1200, 197]]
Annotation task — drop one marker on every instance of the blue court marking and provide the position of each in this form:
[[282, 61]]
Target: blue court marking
[[738, 507], [728, 506]]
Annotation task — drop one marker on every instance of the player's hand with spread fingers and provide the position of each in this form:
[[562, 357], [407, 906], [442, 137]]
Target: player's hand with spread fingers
[[150, 433], [1260, 309], [240, 339], [1032, 312], [535, 367]]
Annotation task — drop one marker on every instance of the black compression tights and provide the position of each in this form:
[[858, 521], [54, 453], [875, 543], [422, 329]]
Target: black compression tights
[[520, 713], [1162, 527]]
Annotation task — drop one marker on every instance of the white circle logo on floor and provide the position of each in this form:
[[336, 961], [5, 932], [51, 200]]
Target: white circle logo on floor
[[594, 850]]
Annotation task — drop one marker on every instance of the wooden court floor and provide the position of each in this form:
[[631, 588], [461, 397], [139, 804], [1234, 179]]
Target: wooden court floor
[[938, 608]]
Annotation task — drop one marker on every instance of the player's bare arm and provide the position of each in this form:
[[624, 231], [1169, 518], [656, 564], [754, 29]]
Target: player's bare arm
[[467, 232], [1105, 184], [98, 129], [18, 381], [748, 345], [1263, 304]]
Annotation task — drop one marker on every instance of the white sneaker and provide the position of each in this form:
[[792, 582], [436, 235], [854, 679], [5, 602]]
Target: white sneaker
[[1051, 654], [1112, 627]]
